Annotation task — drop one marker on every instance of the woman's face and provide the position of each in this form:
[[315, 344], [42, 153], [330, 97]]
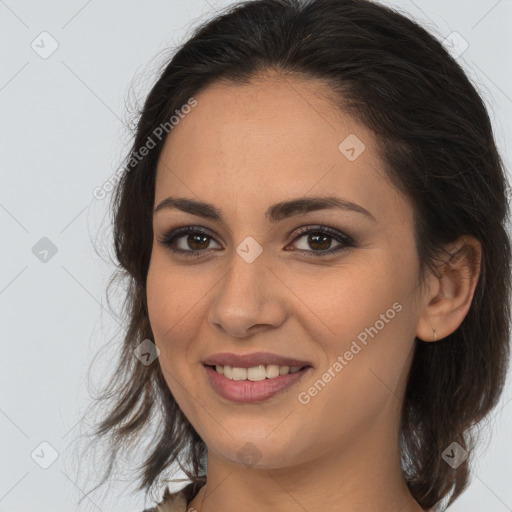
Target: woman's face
[[260, 284]]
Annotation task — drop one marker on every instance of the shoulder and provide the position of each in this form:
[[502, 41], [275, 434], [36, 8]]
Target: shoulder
[[177, 501]]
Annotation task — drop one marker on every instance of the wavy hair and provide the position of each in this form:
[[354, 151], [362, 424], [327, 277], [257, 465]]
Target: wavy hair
[[435, 137]]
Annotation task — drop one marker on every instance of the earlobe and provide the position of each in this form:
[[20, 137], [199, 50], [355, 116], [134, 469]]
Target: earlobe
[[435, 333], [448, 301]]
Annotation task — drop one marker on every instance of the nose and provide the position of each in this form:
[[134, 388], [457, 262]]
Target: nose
[[249, 299]]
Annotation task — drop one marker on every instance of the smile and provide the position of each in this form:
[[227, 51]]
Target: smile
[[253, 384]]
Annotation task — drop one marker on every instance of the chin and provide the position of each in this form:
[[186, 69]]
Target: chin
[[255, 452]]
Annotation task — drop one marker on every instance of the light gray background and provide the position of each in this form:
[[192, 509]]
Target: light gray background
[[62, 135]]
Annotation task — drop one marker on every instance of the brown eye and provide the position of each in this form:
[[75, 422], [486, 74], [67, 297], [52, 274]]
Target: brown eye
[[187, 241], [319, 240], [197, 241]]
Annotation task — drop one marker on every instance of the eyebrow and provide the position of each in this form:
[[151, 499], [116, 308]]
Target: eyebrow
[[273, 214]]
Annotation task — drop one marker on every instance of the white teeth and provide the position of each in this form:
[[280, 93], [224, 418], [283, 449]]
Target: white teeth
[[239, 373], [255, 373], [228, 372], [272, 371]]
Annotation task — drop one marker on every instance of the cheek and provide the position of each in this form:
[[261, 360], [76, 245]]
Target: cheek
[[171, 311], [340, 303], [174, 297], [361, 319], [173, 305]]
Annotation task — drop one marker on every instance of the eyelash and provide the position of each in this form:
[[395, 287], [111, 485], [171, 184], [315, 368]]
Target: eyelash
[[169, 239]]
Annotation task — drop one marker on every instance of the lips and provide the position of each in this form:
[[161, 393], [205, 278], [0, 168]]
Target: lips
[[253, 359], [245, 391], [241, 378]]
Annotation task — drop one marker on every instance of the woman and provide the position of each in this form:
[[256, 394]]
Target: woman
[[312, 224]]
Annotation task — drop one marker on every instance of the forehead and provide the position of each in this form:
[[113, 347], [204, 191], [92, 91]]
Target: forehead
[[268, 140]]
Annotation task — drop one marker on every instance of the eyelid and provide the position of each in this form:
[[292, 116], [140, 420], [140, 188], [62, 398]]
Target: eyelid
[[175, 228], [345, 241], [173, 234], [320, 228]]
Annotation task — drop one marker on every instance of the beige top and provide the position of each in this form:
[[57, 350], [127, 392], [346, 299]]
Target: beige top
[[177, 501]]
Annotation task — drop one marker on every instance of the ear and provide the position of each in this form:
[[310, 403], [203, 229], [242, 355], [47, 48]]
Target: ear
[[450, 292]]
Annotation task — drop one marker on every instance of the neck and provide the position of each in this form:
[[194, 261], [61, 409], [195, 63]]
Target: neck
[[364, 475]]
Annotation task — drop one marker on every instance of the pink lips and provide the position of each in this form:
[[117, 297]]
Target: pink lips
[[246, 390]]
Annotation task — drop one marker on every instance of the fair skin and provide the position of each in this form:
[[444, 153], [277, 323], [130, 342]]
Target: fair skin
[[244, 148]]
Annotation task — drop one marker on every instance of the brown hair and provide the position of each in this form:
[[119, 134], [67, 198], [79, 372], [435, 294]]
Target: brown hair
[[434, 135]]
